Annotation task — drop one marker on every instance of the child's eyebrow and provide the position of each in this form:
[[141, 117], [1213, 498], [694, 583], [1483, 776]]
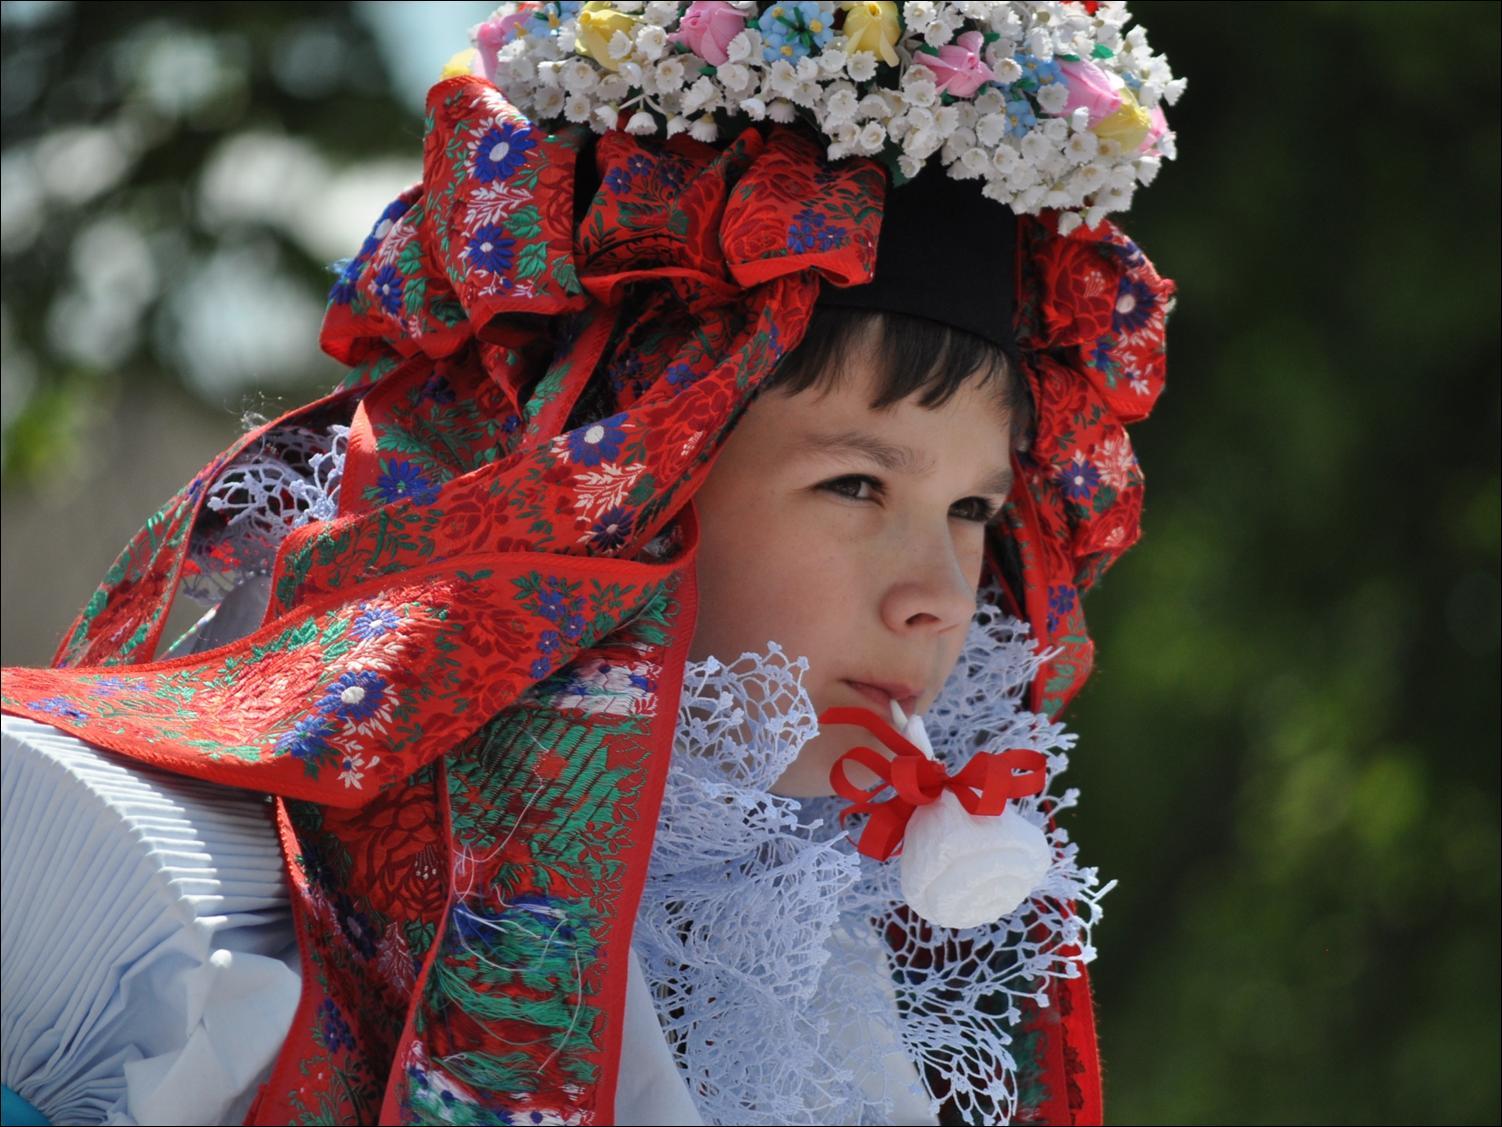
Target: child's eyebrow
[[890, 456]]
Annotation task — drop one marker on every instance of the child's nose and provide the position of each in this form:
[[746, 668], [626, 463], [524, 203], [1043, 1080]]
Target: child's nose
[[930, 589]]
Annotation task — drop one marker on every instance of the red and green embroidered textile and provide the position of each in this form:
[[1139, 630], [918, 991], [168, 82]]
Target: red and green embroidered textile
[[464, 691]]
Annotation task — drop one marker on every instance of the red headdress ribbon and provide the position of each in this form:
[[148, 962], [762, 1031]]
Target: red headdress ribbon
[[982, 786]]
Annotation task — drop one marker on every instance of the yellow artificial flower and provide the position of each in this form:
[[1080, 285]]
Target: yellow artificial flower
[[598, 23], [461, 64], [1128, 126], [873, 27]]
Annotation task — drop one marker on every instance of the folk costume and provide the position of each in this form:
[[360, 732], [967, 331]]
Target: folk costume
[[465, 690]]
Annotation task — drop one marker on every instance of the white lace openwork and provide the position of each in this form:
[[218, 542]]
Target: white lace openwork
[[759, 928], [282, 483]]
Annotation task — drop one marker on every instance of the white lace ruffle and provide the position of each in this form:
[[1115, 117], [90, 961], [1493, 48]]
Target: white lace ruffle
[[280, 484], [759, 924]]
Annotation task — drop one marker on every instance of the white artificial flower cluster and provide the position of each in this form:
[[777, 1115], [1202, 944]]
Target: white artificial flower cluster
[[1052, 106]]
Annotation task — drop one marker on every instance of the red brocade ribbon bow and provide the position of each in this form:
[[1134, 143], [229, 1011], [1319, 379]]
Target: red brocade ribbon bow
[[982, 786]]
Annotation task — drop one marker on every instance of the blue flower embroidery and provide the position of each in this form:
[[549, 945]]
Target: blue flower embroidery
[[810, 231], [355, 696], [343, 291], [373, 622], [502, 151], [388, 290], [437, 389], [403, 481], [612, 529], [1079, 479], [597, 442], [309, 740], [1060, 603], [333, 1028], [59, 706], [492, 251], [618, 181], [1135, 303]]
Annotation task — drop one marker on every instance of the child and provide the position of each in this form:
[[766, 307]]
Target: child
[[467, 683]]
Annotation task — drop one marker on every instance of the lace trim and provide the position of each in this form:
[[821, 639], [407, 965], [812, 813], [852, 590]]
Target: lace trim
[[282, 483], [758, 925]]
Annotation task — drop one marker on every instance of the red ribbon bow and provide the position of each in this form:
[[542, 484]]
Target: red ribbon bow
[[983, 785]]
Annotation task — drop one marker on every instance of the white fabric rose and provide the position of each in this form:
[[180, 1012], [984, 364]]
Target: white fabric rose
[[965, 870]]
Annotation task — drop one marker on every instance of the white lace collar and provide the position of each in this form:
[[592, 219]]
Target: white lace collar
[[757, 926]]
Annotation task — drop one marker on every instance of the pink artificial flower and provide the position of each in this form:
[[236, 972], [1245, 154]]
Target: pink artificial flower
[[494, 34], [1091, 87], [958, 68], [707, 28], [1155, 130]]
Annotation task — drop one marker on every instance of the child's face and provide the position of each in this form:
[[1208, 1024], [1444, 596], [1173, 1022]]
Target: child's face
[[853, 538]]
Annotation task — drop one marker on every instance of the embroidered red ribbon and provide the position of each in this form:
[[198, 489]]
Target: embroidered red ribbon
[[982, 786]]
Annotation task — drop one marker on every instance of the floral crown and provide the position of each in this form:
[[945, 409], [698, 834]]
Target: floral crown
[[1051, 105]]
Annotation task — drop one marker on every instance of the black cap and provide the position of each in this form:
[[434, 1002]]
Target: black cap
[[946, 253]]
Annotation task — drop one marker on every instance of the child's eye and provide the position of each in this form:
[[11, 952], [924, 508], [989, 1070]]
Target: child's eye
[[976, 509], [851, 486]]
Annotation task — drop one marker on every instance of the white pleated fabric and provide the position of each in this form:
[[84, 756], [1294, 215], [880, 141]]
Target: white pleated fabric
[[149, 968]]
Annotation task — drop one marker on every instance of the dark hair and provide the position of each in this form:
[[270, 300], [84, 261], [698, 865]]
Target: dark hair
[[916, 356]]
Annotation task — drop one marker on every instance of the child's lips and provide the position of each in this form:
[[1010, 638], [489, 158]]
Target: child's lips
[[883, 695]]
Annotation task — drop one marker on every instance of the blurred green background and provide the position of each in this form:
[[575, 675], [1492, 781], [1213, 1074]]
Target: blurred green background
[[1284, 751]]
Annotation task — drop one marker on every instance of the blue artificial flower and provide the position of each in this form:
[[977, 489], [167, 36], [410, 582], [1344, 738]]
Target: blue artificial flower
[[573, 626], [388, 290], [594, 443], [355, 696], [791, 31], [502, 151], [1020, 117], [547, 16], [680, 374], [1079, 479], [1060, 603], [491, 250], [1037, 72], [373, 622], [1135, 303], [309, 740], [639, 164], [548, 641], [540, 668], [612, 529], [403, 481]]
